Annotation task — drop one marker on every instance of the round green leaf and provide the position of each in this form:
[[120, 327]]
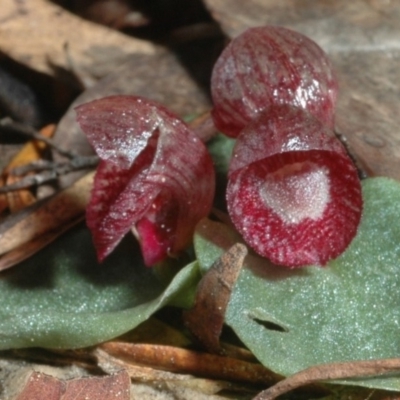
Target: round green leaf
[[346, 311], [62, 297]]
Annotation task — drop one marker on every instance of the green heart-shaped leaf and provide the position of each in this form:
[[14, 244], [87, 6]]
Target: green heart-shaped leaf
[[62, 297], [348, 310]]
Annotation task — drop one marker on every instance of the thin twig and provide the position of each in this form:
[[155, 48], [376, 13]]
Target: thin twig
[[29, 181], [62, 167], [331, 371], [51, 171], [34, 166], [33, 134]]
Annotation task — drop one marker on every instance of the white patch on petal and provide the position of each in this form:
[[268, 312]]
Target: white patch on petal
[[297, 191]]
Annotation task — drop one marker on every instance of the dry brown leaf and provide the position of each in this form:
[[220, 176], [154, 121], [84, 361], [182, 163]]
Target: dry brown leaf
[[19, 199], [113, 387], [206, 319], [48, 39], [363, 40], [26, 250], [46, 222], [323, 372], [41, 386], [32, 151], [15, 373], [175, 359]]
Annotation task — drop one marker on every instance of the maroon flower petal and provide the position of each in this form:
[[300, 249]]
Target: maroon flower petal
[[158, 228], [120, 127], [293, 193], [120, 197], [271, 65], [155, 174]]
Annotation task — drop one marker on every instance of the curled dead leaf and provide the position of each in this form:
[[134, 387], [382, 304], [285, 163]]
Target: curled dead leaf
[[331, 371], [205, 320]]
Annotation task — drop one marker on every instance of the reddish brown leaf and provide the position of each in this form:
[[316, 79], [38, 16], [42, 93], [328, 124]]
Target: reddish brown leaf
[[331, 371], [113, 387], [41, 386]]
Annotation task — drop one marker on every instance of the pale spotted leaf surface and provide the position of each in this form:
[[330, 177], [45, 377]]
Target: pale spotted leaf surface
[[63, 298]]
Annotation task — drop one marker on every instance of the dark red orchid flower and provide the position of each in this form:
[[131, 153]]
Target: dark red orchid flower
[[155, 176], [293, 192]]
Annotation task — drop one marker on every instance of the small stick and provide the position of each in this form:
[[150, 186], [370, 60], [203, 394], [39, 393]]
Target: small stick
[[52, 171], [76, 163], [33, 134], [29, 181]]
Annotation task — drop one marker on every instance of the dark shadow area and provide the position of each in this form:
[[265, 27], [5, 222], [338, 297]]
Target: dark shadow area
[[228, 335], [185, 27], [33, 98], [271, 326], [220, 192], [124, 264], [54, 358], [153, 20], [30, 275], [266, 269], [198, 57]]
